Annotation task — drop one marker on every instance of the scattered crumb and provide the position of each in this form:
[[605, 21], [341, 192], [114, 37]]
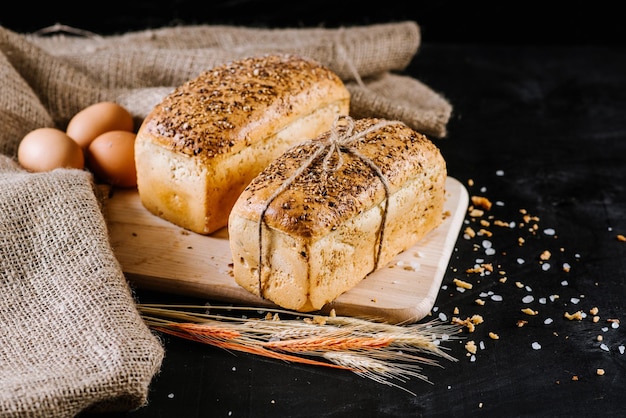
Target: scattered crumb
[[621, 238], [494, 336], [476, 213], [577, 316], [462, 284], [481, 202], [600, 372], [470, 346], [529, 311]]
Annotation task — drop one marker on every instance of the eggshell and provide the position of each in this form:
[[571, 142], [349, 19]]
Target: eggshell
[[97, 119], [45, 149], [111, 158]]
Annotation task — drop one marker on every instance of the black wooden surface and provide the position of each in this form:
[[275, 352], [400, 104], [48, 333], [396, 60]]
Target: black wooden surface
[[538, 126]]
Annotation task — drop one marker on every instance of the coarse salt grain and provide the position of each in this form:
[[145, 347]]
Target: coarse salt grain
[[545, 266], [520, 261], [621, 349], [548, 321], [528, 299], [443, 317], [549, 231], [604, 347], [536, 346], [496, 298]]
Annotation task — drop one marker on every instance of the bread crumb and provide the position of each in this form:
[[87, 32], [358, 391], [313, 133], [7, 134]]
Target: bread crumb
[[600, 372], [545, 255], [578, 316], [462, 284], [529, 311], [485, 232], [479, 302], [621, 238], [476, 213], [482, 202], [471, 347], [594, 310], [469, 323], [494, 336], [575, 378], [520, 323]]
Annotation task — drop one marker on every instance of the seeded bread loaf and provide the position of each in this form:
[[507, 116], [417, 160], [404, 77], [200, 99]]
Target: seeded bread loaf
[[201, 146], [329, 211]]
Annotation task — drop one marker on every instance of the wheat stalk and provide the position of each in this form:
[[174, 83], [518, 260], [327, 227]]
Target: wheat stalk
[[385, 353]]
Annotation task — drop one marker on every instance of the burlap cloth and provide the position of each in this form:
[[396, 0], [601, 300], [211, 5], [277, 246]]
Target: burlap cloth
[[71, 338]]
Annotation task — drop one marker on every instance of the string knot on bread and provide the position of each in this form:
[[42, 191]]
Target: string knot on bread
[[340, 137]]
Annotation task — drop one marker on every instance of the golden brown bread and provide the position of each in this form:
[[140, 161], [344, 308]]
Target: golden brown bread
[[199, 148], [324, 206]]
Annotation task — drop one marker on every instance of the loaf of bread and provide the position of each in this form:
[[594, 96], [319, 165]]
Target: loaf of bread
[[331, 210], [203, 143]]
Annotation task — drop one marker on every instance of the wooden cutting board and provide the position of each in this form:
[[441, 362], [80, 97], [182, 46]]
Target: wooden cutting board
[[158, 255]]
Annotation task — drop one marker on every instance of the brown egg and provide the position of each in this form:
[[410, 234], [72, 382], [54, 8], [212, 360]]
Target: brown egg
[[111, 157], [97, 119], [45, 149]]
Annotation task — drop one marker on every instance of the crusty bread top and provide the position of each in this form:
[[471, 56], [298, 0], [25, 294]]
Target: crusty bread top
[[326, 194], [233, 105]]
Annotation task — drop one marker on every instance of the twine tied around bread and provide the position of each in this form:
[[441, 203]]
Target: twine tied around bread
[[339, 141]]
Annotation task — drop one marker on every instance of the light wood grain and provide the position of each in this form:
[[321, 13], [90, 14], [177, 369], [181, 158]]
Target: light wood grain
[[158, 255]]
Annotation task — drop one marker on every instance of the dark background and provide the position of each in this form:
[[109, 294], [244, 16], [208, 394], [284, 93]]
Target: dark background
[[539, 123], [491, 22]]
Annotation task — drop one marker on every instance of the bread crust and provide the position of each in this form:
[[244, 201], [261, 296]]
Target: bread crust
[[199, 148], [322, 227]]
